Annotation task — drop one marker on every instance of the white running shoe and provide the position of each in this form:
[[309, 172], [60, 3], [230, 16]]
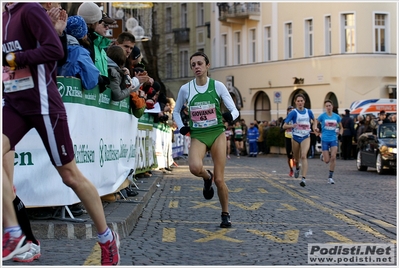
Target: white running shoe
[[331, 181], [321, 157], [30, 255], [303, 182]]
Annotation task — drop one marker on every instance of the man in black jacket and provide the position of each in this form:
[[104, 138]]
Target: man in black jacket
[[347, 136], [383, 118]]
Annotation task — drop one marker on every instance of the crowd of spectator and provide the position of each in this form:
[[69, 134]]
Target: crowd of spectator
[[115, 64], [98, 61]]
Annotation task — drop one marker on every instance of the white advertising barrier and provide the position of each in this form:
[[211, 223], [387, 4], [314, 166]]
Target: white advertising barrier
[[104, 138], [178, 144], [162, 135], [145, 145]]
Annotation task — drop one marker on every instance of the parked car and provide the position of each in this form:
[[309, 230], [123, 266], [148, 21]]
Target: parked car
[[377, 149]]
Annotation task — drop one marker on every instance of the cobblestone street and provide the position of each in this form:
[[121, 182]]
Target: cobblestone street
[[274, 219]]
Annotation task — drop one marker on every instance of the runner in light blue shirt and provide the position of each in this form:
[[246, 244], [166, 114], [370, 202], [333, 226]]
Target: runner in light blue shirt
[[330, 123]]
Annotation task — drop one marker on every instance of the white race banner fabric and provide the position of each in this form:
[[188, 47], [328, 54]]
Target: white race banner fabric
[[163, 141], [104, 142], [104, 135]]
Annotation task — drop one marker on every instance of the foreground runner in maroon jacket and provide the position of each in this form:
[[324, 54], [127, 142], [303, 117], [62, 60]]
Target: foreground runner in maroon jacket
[[31, 48]]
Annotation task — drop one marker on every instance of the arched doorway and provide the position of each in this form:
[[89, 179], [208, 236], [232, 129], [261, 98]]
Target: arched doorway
[[262, 107], [303, 92]]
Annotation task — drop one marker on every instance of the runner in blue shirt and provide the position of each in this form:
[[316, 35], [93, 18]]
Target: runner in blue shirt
[[330, 123]]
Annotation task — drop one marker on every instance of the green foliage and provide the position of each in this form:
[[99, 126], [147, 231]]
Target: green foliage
[[274, 137]]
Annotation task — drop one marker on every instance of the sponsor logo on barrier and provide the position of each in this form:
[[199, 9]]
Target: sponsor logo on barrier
[[351, 253], [132, 151], [102, 98], [124, 150], [69, 91], [83, 154], [61, 88], [109, 152], [120, 104], [124, 104], [23, 159], [90, 96]]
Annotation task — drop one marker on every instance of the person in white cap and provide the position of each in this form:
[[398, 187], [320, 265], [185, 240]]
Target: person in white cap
[[93, 17]]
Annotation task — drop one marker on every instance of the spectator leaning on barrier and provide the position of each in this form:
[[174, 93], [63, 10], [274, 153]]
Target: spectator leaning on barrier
[[93, 16], [136, 68], [38, 105], [134, 59], [79, 63], [168, 110], [151, 92], [142, 75], [126, 41], [121, 83]]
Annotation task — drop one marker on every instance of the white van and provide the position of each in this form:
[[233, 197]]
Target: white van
[[373, 106], [369, 106]]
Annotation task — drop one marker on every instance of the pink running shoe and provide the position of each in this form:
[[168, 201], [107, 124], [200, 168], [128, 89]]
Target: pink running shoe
[[110, 251], [14, 245]]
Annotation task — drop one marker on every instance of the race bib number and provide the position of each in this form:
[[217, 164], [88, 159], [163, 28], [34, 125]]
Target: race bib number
[[302, 128], [20, 79], [330, 125], [203, 116]]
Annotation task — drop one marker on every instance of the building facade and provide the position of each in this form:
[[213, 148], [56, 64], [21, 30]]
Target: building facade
[[183, 28], [268, 52]]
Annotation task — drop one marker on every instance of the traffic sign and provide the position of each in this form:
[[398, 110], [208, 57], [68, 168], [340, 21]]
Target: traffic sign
[[277, 96]]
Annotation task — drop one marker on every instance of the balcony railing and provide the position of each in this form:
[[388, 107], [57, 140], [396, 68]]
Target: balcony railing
[[238, 10], [182, 35]]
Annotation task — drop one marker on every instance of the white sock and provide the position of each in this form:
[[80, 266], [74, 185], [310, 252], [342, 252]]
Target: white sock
[[106, 236], [15, 231]]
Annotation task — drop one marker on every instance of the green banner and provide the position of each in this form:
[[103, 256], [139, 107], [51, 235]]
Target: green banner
[[162, 127], [71, 91], [146, 121]]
